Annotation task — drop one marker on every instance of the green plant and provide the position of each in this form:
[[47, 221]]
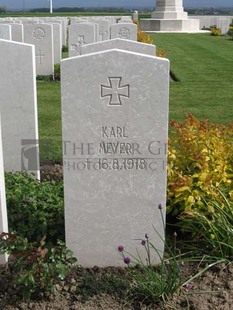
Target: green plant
[[230, 32], [57, 73], [157, 284], [36, 267], [143, 36], [3, 9], [154, 284], [215, 31], [64, 49], [213, 230], [35, 209], [44, 78], [161, 53], [200, 159]]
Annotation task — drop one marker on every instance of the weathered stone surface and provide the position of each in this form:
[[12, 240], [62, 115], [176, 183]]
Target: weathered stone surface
[[126, 31], [79, 35], [5, 32], [41, 35], [18, 107], [127, 45], [115, 123], [17, 32], [169, 16]]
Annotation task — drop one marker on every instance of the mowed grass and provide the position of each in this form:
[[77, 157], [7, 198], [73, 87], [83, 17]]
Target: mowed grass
[[49, 111], [202, 63], [204, 66]]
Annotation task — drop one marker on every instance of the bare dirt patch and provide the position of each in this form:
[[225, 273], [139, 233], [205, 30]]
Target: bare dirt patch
[[109, 288]]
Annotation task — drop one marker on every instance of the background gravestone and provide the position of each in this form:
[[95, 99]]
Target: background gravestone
[[18, 107], [104, 29], [41, 35], [127, 45], [17, 32], [5, 32], [126, 31], [57, 42], [79, 35], [115, 125]]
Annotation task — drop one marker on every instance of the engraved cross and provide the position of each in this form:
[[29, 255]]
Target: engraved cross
[[40, 55], [115, 91], [102, 33]]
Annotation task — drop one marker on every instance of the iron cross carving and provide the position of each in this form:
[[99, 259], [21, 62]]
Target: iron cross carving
[[115, 91]]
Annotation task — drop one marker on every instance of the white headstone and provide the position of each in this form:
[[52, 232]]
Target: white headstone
[[126, 31], [80, 34], [63, 23], [125, 19], [41, 35], [104, 29], [18, 106], [3, 210], [127, 45], [5, 32], [223, 24], [115, 124], [57, 42], [17, 32]]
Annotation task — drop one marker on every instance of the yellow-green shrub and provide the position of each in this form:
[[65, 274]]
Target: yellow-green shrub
[[230, 32], [200, 161], [143, 36], [215, 31], [161, 53]]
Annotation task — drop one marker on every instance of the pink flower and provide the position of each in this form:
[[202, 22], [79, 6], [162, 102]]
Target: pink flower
[[121, 248], [127, 260], [160, 207]]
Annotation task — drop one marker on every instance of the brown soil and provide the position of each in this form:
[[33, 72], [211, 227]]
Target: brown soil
[[109, 288], [97, 288]]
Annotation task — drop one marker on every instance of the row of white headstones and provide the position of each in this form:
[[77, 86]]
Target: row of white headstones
[[48, 35], [114, 126]]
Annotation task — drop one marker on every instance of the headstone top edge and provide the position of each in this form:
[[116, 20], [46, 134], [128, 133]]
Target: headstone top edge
[[121, 40], [115, 50], [16, 43]]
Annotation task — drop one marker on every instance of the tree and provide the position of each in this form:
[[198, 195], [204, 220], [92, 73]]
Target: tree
[[3, 9]]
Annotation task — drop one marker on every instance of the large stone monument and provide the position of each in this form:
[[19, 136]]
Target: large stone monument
[[169, 16]]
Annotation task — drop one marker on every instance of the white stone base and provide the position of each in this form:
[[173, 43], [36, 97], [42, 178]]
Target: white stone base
[[170, 25]]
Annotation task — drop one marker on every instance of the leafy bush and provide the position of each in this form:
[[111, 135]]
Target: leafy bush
[[36, 267], [161, 53], [214, 230], [215, 31], [56, 76], [35, 209], [143, 36], [200, 161], [57, 72], [230, 32], [46, 78], [64, 49]]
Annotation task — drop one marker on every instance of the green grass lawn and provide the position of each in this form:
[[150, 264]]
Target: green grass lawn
[[202, 63], [49, 110], [204, 66]]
